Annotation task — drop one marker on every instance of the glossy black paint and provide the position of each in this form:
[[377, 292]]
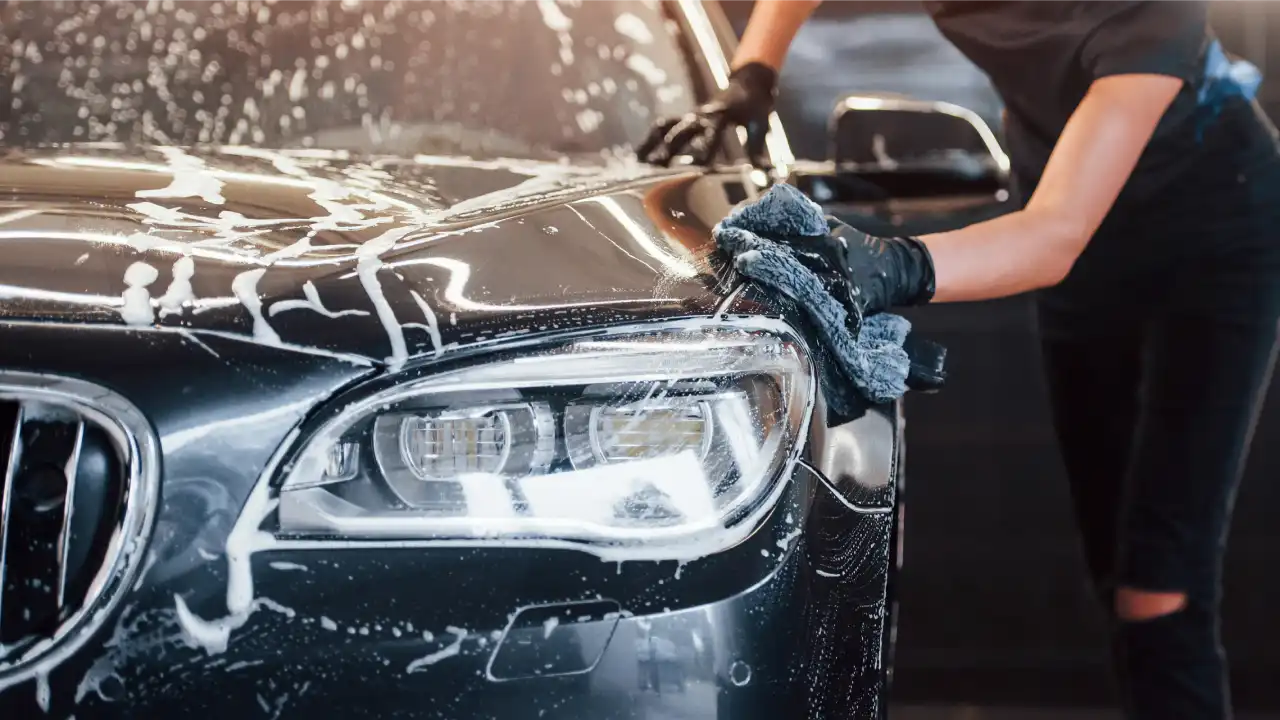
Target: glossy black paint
[[794, 618], [504, 254], [495, 249], [342, 626]]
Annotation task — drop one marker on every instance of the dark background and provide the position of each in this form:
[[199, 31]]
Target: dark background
[[994, 606]]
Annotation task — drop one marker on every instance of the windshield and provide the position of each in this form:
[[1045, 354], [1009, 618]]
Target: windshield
[[515, 79]]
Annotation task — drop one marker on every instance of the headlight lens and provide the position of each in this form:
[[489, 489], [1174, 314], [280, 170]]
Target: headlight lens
[[664, 435]]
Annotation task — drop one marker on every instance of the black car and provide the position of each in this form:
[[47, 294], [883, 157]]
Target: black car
[[350, 367]]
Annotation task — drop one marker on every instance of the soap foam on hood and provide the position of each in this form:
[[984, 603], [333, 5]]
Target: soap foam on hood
[[191, 178], [312, 302], [180, 291], [367, 265], [137, 308], [245, 288]]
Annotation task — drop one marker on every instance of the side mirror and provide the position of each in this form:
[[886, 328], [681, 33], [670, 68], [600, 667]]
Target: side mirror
[[916, 147], [901, 165]]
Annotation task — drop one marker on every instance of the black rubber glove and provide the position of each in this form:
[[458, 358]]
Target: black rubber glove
[[747, 101], [867, 274]]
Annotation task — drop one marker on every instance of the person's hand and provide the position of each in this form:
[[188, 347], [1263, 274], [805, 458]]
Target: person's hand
[[867, 274], [747, 101]]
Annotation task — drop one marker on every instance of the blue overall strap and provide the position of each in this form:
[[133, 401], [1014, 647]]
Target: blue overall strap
[[1225, 77]]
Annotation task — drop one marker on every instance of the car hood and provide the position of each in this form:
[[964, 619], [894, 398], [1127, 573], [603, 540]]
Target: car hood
[[389, 259]]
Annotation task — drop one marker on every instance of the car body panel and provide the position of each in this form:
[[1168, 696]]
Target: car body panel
[[344, 255], [287, 281], [794, 615], [376, 631]]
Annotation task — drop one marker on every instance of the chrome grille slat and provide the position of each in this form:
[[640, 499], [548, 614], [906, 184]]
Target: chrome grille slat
[[68, 507], [6, 497], [33, 589]]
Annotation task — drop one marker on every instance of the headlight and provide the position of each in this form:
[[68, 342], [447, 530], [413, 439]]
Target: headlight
[[665, 436]]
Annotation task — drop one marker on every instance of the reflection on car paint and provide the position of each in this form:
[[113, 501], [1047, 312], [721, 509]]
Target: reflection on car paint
[[381, 250]]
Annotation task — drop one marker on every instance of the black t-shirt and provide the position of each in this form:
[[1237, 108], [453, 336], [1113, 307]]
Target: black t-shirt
[[1042, 57]]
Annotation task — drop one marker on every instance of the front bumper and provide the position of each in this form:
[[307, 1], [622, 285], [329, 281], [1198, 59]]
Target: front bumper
[[790, 623], [413, 634]]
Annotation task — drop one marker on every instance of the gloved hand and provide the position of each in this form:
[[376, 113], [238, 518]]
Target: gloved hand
[[747, 101], [867, 274]]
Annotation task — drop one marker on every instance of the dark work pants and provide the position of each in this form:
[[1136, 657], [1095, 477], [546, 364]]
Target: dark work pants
[[1158, 350]]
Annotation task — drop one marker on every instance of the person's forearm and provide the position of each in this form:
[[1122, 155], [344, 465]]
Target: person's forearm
[[1090, 164], [770, 30], [1008, 255]]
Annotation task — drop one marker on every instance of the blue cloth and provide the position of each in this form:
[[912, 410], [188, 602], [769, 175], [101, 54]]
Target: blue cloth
[[874, 361], [1224, 78]]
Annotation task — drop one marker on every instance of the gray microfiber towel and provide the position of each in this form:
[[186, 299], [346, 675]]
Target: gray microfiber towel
[[875, 360]]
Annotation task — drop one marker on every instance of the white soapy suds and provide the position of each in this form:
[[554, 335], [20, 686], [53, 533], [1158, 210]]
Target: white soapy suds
[[785, 542], [824, 573], [157, 214], [431, 326], [328, 624], [199, 633], [179, 292], [486, 495], [42, 691], [245, 288], [283, 565], [81, 260], [311, 303], [549, 626], [645, 68], [245, 539], [367, 265], [274, 606], [449, 651], [191, 178], [294, 250], [632, 27], [242, 664], [137, 308]]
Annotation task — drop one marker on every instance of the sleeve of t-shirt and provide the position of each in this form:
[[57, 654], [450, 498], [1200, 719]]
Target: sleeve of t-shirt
[[1155, 38]]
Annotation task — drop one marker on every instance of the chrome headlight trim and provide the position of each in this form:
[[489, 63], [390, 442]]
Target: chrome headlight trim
[[742, 524]]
